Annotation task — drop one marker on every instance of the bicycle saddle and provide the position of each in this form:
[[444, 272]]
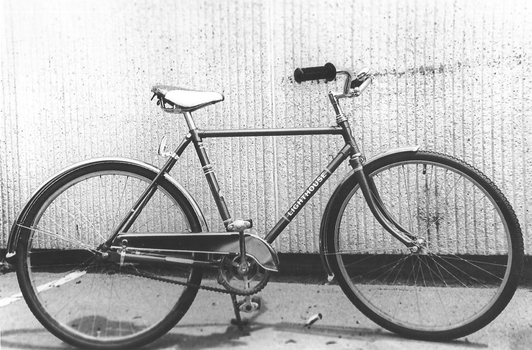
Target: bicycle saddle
[[184, 100]]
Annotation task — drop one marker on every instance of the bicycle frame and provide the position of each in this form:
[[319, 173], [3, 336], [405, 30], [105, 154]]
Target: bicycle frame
[[349, 151], [312, 188]]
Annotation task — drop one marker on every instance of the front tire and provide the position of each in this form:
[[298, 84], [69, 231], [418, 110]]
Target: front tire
[[470, 266], [82, 299]]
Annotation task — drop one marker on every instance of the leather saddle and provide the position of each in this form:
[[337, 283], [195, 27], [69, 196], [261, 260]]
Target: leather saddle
[[184, 100]]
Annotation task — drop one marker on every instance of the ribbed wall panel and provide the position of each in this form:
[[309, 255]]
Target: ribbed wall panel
[[452, 76]]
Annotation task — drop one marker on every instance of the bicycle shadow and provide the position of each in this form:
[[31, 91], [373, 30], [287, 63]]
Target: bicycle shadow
[[186, 336], [232, 337], [29, 338]]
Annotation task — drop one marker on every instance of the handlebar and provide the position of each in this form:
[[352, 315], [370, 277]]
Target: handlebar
[[353, 85], [327, 72]]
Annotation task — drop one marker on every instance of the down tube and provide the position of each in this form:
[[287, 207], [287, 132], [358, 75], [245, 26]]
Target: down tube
[[309, 193]]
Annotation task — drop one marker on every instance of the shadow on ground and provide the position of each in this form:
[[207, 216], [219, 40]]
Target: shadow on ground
[[22, 339], [232, 337]]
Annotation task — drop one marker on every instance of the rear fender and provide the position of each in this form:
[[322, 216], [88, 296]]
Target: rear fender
[[24, 214]]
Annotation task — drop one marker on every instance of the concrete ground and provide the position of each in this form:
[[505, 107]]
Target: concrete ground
[[278, 325]]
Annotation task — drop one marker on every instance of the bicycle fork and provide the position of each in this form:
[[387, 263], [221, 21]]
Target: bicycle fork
[[375, 204], [367, 185]]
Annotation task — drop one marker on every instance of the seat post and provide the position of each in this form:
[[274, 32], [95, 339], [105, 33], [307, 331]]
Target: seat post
[[208, 170], [190, 121]]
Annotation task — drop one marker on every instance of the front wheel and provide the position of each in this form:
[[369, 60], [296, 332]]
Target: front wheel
[[88, 301], [472, 255]]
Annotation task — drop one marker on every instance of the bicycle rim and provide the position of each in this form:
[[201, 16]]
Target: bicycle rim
[[466, 272], [87, 301]]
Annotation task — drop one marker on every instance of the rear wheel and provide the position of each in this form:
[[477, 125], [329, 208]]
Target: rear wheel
[[78, 296], [472, 255]]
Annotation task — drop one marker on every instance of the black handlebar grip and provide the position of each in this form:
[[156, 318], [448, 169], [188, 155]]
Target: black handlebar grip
[[327, 72]]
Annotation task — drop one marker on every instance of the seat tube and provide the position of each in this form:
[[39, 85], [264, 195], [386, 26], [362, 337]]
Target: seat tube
[[208, 170]]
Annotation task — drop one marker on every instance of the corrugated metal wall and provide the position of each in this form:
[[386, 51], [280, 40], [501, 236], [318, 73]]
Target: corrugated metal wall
[[452, 76]]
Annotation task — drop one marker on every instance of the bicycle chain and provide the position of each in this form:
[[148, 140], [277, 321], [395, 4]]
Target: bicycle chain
[[199, 286]]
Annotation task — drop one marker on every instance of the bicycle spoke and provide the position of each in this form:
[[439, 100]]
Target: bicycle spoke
[[55, 235], [472, 262], [440, 277], [410, 224], [79, 211], [471, 277], [152, 219], [120, 199]]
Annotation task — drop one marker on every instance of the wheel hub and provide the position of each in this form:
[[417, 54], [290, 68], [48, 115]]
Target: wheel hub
[[420, 247]]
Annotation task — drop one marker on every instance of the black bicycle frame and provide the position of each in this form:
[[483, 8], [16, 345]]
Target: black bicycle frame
[[342, 155], [349, 150]]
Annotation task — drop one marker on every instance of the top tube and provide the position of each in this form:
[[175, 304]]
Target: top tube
[[333, 130]]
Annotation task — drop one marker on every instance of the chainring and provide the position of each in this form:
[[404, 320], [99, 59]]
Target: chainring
[[240, 279]]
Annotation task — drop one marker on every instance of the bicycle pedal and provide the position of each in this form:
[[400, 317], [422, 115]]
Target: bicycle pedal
[[250, 304]]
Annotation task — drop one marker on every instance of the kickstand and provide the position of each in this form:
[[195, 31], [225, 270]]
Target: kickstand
[[237, 321]]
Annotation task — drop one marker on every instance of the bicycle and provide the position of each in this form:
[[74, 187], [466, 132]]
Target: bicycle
[[422, 243]]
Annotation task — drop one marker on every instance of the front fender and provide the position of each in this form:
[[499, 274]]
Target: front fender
[[346, 184], [15, 228]]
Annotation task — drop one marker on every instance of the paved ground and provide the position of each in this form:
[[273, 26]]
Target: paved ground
[[279, 324]]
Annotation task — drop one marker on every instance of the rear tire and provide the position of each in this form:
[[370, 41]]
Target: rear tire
[[462, 279], [84, 300]]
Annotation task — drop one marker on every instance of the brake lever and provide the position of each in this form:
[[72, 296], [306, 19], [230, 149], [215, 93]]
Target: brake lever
[[362, 80], [364, 74]]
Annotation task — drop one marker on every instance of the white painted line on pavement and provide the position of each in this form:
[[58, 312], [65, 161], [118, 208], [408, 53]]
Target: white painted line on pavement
[[9, 300], [70, 277]]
